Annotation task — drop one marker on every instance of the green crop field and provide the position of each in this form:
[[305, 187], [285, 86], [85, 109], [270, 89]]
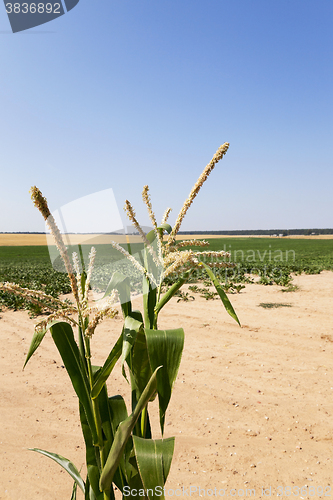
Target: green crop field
[[271, 260], [300, 251], [31, 267], [297, 255]]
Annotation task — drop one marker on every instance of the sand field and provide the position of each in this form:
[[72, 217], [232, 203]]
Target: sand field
[[252, 407]]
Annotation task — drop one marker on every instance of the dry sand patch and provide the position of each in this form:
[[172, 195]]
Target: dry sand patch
[[252, 407]]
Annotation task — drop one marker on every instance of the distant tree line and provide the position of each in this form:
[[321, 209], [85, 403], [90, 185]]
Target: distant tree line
[[240, 232], [22, 232], [268, 232]]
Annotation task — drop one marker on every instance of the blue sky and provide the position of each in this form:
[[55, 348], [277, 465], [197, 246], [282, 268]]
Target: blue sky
[[121, 93]]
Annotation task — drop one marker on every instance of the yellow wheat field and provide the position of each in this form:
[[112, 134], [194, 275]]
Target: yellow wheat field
[[28, 239]]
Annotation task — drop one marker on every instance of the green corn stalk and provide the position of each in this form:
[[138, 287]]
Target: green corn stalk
[[120, 448]]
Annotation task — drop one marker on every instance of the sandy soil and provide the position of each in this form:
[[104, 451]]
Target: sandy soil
[[251, 408], [76, 239]]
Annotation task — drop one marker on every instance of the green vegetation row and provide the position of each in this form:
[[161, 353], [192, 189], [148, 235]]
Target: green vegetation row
[[267, 232], [271, 261], [298, 255]]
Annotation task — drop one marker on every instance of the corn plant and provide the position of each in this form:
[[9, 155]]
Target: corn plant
[[120, 448]]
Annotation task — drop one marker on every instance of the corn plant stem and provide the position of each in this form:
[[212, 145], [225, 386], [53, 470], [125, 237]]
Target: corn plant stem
[[146, 295], [159, 291], [82, 349], [145, 311], [137, 429], [155, 321], [149, 302], [144, 422], [97, 417], [144, 414], [129, 249], [157, 301], [82, 259]]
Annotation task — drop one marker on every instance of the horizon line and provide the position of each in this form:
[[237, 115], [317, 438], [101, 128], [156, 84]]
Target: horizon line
[[213, 231]]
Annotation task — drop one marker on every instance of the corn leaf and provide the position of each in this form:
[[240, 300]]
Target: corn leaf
[[108, 417], [165, 349], [35, 343], [149, 303], [104, 411], [222, 294], [90, 449], [123, 434], [171, 292], [166, 227], [107, 423], [131, 329], [139, 366], [122, 284], [37, 339], [152, 235], [89, 494], [86, 495], [154, 458], [65, 464], [107, 368], [119, 413], [73, 497], [94, 476], [135, 483], [63, 337], [93, 473]]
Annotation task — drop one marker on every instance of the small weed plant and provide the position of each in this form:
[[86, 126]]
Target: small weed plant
[[121, 450], [273, 305]]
